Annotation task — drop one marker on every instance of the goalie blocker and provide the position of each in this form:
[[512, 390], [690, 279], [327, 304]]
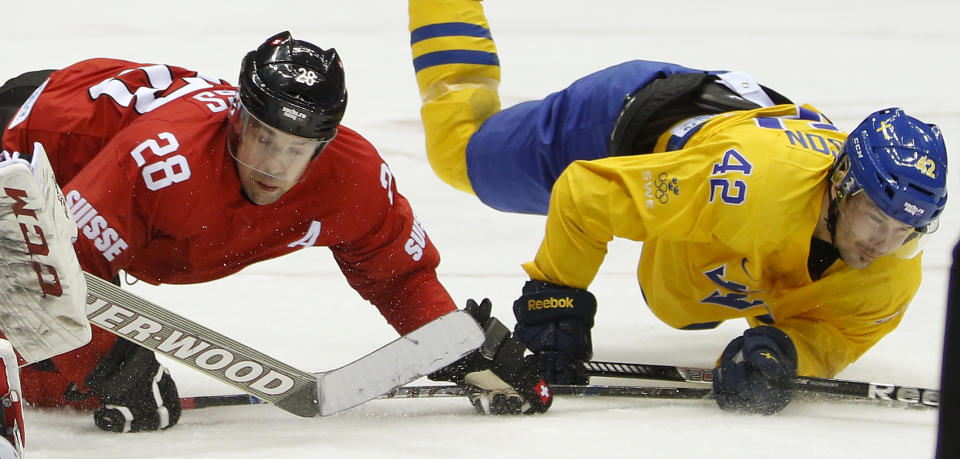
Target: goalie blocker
[[40, 278]]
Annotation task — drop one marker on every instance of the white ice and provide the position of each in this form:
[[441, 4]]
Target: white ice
[[847, 58]]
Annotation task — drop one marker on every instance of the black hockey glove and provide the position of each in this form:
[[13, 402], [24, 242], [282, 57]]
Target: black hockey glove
[[756, 372], [554, 321], [511, 383], [136, 392]]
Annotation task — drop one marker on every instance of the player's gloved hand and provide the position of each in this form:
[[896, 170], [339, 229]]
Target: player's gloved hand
[[511, 383], [756, 371], [136, 392], [554, 321]]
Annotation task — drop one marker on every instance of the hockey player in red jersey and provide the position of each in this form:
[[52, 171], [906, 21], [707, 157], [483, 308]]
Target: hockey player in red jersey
[[177, 177]]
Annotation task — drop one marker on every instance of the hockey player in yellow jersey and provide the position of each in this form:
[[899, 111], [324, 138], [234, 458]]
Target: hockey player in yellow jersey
[[748, 205]]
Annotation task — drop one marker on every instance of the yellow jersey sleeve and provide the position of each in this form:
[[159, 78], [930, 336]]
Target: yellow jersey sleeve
[[632, 197], [838, 318], [729, 186]]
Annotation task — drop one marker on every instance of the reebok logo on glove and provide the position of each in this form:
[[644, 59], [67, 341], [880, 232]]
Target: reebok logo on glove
[[550, 303]]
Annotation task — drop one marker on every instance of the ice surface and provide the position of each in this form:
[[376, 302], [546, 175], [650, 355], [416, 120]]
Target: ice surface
[[847, 58]]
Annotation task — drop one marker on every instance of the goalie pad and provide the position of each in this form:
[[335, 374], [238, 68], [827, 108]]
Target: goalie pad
[[44, 291]]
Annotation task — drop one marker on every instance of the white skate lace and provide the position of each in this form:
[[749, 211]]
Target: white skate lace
[[7, 156]]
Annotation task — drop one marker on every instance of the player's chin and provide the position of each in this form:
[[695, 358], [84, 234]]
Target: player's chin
[[261, 197], [855, 258]]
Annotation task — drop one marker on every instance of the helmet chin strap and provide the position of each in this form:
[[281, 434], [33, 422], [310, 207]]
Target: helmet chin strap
[[833, 212]]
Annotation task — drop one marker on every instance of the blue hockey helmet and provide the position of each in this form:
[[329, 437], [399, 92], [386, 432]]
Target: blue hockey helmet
[[901, 164]]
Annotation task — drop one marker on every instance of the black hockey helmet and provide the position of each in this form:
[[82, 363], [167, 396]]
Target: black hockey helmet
[[294, 86]]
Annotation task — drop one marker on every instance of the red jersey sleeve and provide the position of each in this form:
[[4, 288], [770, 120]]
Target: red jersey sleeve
[[391, 261]]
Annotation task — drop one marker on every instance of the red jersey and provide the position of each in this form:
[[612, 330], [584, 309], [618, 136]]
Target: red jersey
[[141, 154]]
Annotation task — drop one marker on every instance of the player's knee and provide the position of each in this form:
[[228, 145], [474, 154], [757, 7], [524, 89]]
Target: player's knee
[[458, 75], [471, 101], [449, 120]]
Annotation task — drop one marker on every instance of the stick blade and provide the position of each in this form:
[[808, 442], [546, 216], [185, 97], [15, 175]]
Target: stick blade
[[414, 355]]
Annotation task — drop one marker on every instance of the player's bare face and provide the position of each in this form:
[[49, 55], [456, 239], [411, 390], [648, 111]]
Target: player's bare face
[[865, 233], [269, 161], [261, 189]]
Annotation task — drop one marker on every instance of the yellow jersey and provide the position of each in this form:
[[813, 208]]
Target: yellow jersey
[[726, 222]]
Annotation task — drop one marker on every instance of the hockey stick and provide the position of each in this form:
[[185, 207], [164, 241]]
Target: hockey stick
[[651, 392], [207, 401], [917, 396], [411, 356], [842, 389]]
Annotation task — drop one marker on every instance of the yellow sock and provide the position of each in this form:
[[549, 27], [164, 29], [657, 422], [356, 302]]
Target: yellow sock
[[458, 74]]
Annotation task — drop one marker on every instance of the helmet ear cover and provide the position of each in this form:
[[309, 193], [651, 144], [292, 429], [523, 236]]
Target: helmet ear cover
[[294, 86]]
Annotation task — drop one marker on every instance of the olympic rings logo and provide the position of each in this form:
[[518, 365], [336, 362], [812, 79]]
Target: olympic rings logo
[[665, 186]]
